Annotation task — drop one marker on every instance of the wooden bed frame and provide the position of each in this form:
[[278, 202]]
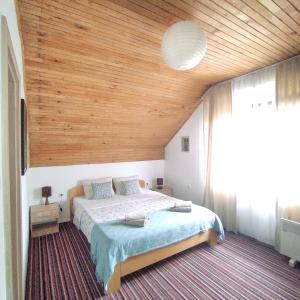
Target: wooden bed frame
[[137, 262]]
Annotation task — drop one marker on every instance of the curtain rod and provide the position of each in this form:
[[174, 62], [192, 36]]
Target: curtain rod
[[252, 72]]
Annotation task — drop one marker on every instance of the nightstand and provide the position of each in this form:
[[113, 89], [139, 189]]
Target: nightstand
[[165, 190], [44, 219]]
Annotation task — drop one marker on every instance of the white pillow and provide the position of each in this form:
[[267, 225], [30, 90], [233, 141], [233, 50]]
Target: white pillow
[[88, 189], [117, 181]]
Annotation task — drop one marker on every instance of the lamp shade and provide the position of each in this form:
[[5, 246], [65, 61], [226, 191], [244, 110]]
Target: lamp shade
[[183, 45], [46, 191]]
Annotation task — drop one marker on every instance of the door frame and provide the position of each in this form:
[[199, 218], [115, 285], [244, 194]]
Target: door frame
[[10, 213]]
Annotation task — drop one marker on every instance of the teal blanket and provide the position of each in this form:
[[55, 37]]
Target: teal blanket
[[113, 242]]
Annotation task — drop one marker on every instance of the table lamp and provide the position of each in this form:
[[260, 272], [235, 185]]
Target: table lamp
[[46, 192], [159, 183]]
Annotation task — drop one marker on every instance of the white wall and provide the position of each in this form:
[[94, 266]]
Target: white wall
[[183, 169], [7, 9], [61, 179]]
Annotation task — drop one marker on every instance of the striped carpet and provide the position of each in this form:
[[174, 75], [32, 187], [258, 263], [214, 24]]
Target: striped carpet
[[240, 268]]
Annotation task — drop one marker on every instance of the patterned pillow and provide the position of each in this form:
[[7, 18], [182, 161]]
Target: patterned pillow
[[117, 182], [102, 190], [88, 189], [130, 187]]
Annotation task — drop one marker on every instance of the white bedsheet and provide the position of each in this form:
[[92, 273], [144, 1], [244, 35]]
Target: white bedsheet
[[89, 212]]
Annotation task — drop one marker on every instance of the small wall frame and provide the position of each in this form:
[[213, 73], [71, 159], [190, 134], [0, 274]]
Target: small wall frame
[[185, 144]]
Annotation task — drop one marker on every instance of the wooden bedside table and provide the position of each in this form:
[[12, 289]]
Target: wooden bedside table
[[44, 219], [165, 190]]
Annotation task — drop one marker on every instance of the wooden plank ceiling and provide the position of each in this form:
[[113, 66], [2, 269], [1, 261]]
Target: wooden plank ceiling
[[97, 87]]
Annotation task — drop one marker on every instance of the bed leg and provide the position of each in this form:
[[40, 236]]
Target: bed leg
[[212, 239], [114, 283]]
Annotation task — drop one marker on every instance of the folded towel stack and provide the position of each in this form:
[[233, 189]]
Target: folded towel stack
[[137, 220], [182, 206]]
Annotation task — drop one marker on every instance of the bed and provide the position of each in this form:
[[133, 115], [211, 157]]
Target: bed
[[118, 250]]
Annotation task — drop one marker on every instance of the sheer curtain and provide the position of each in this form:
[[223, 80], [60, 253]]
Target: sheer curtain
[[252, 150], [288, 103], [217, 127], [254, 114]]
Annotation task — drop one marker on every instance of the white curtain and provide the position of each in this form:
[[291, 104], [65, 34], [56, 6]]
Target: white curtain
[[252, 150], [218, 154], [254, 115], [288, 147]]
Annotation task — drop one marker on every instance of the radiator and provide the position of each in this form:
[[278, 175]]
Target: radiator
[[290, 240]]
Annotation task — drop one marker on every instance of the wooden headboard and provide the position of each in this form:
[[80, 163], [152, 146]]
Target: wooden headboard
[[77, 191]]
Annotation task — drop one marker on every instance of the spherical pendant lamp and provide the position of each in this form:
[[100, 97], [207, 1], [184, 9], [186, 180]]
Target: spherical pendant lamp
[[183, 45]]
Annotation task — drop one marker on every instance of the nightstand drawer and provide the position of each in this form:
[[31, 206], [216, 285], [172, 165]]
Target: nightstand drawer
[[44, 219], [41, 208], [165, 190], [44, 216], [43, 213]]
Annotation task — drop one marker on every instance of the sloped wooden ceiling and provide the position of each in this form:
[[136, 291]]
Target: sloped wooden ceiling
[[97, 87]]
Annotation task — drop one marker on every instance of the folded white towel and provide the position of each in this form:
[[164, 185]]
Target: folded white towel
[[183, 204], [135, 216], [136, 219], [137, 222], [184, 209]]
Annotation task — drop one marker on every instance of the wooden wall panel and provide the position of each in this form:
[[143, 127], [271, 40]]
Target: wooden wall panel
[[97, 87]]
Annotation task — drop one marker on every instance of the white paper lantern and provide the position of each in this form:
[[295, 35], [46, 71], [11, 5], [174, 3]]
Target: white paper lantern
[[183, 45]]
